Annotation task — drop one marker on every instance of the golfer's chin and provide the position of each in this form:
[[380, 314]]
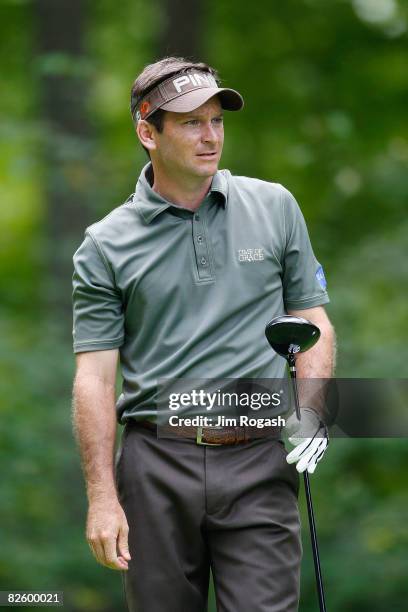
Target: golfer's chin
[[206, 166]]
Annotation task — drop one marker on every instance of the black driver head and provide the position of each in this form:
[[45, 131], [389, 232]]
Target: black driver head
[[289, 335]]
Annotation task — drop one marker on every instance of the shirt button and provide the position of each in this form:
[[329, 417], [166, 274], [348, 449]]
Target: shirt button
[[199, 238], [203, 261], [197, 217]]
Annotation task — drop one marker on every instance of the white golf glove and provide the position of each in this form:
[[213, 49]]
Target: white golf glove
[[310, 437]]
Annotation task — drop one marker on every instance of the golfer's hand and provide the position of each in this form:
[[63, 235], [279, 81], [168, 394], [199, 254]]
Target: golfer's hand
[[310, 437], [107, 533]]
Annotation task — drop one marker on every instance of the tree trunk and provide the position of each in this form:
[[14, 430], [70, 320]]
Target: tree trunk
[[66, 139], [183, 28]]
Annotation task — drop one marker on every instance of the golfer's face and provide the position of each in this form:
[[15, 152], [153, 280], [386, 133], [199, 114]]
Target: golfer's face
[[191, 143]]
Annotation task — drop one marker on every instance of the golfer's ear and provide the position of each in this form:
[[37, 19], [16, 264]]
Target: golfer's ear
[[147, 134]]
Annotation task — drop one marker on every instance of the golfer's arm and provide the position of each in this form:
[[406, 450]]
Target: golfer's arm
[[94, 420], [317, 363]]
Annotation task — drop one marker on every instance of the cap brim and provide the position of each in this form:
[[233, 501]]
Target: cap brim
[[229, 98]]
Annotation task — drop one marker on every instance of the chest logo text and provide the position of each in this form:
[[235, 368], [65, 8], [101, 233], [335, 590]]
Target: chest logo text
[[251, 255]]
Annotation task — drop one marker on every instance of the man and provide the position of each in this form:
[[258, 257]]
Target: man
[[179, 282]]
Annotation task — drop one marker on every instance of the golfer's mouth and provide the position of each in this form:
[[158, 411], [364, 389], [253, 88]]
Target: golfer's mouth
[[208, 155]]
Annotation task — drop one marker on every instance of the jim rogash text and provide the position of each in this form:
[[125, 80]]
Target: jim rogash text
[[222, 421]]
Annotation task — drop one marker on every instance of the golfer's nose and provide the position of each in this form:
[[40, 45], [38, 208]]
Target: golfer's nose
[[209, 133]]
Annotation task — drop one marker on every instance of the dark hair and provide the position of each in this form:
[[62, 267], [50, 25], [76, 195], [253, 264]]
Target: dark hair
[[153, 74]]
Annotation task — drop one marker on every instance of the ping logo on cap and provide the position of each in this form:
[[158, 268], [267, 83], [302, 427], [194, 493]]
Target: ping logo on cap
[[196, 79]]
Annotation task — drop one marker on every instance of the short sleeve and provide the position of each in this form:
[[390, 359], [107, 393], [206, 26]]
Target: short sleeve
[[98, 318], [304, 283]]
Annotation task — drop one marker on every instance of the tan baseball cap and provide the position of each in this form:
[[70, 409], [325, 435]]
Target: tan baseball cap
[[182, 93]]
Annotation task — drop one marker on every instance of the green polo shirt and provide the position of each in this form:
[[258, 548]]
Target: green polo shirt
[[188, 295]]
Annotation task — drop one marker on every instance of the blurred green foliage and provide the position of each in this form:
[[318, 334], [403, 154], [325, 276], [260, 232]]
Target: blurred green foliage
[[325, 91]]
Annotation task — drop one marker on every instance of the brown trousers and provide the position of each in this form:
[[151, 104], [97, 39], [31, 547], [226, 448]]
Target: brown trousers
[[192, 507]]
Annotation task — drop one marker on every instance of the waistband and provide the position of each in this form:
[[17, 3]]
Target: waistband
[[209, 436]]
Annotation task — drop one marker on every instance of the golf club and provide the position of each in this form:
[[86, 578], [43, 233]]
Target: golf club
[[289, 336]]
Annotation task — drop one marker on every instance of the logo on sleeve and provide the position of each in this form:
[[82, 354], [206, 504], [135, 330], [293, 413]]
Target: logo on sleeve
[[321, 279]]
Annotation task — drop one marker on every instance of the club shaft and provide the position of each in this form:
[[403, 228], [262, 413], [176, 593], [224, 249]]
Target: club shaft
[[292, 369], [309, 504], [315, 547]]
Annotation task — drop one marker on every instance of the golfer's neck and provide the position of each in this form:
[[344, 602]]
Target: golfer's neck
[[187, 192]]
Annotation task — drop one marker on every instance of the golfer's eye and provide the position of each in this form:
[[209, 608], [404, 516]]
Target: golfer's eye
[[192, 122], [218, 120]]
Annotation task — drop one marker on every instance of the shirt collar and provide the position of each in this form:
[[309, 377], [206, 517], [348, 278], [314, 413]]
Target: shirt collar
[[150, 203]]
